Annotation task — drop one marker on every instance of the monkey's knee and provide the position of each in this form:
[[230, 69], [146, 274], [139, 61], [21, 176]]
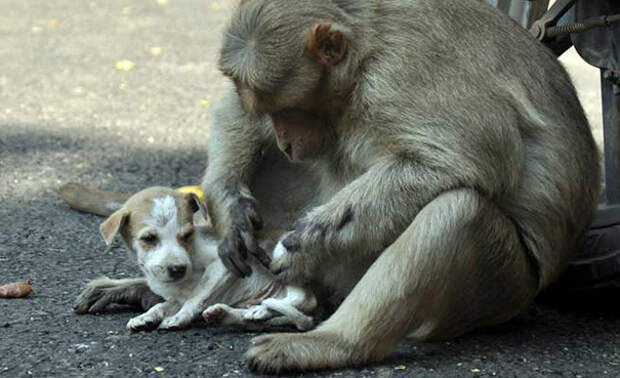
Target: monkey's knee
[[460, 265], [478, 272]]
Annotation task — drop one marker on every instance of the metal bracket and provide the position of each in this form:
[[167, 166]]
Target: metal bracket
[[553, 15]]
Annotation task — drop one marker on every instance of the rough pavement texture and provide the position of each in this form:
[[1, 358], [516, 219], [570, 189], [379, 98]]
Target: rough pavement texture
[[68, 114]]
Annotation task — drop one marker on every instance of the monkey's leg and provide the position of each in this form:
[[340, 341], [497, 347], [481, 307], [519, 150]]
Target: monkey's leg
[[104, 291], [458, 266]]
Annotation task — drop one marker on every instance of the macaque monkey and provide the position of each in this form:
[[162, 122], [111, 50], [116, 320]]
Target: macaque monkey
[[457, 171]]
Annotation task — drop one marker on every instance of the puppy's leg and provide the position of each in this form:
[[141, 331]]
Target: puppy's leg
[[224, 314], [459, 265], [216, 281], [291, 307], [104, 291], [153, 317], [258, 313]]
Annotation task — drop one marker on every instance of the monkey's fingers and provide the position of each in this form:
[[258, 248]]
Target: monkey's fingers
[[262, 257], [101, 303], [255, 218], [233, 252], [292, 242], [255, 250], [238, 266]]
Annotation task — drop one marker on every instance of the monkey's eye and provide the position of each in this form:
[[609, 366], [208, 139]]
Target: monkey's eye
[[149, 239]]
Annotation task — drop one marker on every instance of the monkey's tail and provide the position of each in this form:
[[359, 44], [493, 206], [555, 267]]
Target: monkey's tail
[[90, 200]]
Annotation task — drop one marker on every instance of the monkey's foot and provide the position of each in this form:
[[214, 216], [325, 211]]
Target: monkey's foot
[[96, 296], [298, 352]]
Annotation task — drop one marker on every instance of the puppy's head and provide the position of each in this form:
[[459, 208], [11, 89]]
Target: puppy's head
[[157, 226]]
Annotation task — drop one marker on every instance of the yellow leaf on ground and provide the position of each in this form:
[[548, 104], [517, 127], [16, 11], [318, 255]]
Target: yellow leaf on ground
[[204, 103], [125, 65], [156, 50], [53, 22], [400, 367], [159, 369]]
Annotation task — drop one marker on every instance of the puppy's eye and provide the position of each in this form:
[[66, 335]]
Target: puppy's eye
[[186, 235], [149, 239]]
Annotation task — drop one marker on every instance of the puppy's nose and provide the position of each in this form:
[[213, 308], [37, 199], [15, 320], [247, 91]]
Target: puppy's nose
[[177, 271]]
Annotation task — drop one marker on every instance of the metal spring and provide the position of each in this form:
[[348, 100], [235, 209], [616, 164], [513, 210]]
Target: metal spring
[[582, 26]]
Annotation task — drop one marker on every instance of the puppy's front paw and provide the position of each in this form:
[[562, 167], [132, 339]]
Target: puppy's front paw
[[257, 313], [216, 313], [179, 321], [144, 322]]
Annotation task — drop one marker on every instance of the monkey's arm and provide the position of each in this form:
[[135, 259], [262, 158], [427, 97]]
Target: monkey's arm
[[363, 218], [234, 150]]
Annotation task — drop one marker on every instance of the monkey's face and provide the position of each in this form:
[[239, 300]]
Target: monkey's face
[[281, 62], [300, 135]]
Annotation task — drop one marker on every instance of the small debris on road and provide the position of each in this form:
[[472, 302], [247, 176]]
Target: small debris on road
[[16, 290]]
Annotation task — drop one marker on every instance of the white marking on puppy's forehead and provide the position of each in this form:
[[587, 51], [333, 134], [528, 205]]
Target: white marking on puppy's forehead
[[164, 210]]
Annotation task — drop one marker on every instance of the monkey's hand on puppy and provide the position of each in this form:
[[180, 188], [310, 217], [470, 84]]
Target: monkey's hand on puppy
[[239, 240], [296, 257]]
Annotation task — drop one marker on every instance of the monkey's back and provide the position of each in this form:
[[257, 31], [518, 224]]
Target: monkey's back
[[481, 98]]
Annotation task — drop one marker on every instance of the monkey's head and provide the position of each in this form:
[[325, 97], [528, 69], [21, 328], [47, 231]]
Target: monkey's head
[[290, 59]]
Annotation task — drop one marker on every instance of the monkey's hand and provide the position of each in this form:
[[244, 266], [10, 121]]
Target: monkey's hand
[[296, 257], [239, 239], [291, 266]]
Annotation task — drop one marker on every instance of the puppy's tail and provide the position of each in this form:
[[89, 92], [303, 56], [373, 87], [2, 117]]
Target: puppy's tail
[[90, 200]]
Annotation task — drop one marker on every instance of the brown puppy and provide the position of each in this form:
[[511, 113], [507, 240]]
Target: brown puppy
[[178, 255]]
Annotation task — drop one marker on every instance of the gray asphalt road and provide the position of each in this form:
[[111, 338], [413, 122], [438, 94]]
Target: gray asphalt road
[[67, 113]]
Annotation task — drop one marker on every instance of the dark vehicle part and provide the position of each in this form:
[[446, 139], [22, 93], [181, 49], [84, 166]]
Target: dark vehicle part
[[593, 27], [525, 12], [599, 264]]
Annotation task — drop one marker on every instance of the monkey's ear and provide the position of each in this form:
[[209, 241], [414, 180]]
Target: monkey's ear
[[328, 45], [111, 226]]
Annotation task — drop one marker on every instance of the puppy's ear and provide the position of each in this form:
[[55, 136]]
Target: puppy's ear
[[111, 226], [197, 204]]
